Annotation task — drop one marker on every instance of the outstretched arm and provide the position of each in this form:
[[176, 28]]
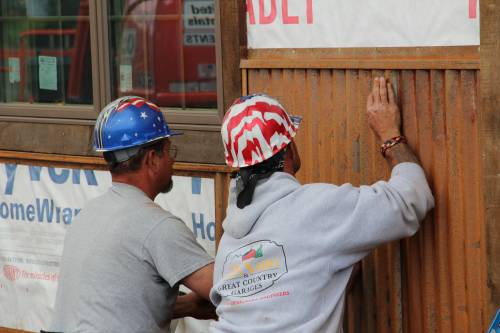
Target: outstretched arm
[[368, 216]]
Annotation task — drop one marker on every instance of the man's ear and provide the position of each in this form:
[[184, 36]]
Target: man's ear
[[150, 160], [297, 163], [288, 160], [292, 159]]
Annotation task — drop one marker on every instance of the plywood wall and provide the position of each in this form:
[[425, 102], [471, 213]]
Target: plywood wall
[[435, 281]]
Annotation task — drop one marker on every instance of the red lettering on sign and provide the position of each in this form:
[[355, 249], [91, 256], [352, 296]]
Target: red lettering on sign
[[288, 19], [263, 19], [472, 9], [251, 14], [309, 11], [271, 17]]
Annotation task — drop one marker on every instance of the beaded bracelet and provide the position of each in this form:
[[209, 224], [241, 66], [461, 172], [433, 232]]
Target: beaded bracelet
[[391, 143]]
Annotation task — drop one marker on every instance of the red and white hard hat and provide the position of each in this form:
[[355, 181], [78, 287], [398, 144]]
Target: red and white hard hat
[[254, 129]]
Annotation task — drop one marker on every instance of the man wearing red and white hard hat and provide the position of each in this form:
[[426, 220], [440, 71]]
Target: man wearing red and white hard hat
[[288, 250]]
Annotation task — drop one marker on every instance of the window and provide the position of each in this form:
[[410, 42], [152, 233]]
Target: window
[[165, 51], [68, 58], [45, 52]]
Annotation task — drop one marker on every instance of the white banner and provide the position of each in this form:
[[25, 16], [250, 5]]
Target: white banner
[[38, 204], [361, 23]]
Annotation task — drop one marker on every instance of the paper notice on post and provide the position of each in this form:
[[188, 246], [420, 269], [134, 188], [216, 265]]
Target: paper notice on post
[[14, 70], [125, 78], [47, 72]]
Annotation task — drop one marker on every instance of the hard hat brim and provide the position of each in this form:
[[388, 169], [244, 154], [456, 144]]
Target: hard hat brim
[[172, 133]]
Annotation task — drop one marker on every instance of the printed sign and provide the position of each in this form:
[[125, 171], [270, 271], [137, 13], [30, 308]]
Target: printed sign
[[38, 204], [362, 23], [125, 78], [207, 71], [252, 269], [14, 70], [199, 23], [47, 72], [199, 14], [199, 38]]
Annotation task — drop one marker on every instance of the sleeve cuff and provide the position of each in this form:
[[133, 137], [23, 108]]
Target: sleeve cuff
[[409, 170], [188, 271]]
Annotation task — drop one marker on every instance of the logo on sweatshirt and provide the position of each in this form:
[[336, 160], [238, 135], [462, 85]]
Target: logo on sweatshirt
[[252, 269], [252, 253]]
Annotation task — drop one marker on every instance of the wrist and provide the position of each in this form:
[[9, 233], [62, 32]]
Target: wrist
[[390, 143], [389, 135]]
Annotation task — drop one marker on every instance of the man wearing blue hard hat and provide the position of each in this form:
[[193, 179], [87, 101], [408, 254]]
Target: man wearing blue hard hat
[[124, 256]]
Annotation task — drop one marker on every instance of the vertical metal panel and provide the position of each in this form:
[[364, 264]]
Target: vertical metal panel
[[433, 281]]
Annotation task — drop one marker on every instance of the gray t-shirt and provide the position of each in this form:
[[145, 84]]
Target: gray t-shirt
[[123, 259]]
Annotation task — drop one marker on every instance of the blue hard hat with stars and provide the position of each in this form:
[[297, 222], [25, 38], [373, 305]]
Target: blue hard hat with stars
[[127, 122]]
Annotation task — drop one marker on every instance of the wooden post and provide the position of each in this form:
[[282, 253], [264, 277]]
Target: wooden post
[[489, 135], [231, 46]]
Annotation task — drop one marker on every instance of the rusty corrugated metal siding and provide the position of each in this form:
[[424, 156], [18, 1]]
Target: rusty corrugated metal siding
[[433, 282]]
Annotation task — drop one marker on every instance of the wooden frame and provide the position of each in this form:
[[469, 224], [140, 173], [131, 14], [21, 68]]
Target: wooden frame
[[458, 57], [232, 39], [96, 163]]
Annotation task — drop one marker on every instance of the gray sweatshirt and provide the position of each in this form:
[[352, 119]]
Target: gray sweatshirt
[[284, 261]]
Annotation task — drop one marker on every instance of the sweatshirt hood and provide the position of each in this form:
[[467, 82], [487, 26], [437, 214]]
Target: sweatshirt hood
[[239, 222]]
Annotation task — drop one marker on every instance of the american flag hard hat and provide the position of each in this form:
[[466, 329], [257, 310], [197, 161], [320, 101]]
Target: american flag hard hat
[[128, 122], [255, 128]]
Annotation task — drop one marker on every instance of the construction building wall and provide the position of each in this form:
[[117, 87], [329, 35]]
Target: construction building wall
[[435, 281]]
